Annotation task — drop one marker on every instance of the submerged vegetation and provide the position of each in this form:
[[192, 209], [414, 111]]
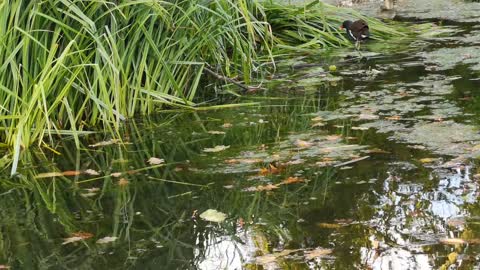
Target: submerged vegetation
[[73, 66]]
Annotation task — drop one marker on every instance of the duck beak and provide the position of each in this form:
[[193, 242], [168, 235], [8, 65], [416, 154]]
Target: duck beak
[[341, 27]]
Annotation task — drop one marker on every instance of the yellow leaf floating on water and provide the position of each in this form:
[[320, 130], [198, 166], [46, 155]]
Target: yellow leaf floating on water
[[213, 216], [452, 257], [155, 161], [215, 149], [318, 252], [428, 160]]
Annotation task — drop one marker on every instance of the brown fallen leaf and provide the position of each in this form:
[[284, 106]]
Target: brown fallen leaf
[[452, 241], [394, 118], [291, 180], [270, 170], [78, 236], [318, 252], [71, 173]]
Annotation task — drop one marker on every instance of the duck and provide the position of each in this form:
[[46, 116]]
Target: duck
[[357, 31]]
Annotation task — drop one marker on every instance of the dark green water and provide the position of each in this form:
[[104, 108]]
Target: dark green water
[[384, 150]]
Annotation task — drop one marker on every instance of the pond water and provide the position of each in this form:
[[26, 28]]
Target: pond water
[[373, 166]]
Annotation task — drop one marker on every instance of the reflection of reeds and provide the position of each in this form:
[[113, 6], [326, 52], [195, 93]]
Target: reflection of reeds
[[58, 209]]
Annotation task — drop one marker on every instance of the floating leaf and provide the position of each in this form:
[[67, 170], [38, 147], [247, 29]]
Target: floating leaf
[[155, 161], [359, 128], [270, 170], [268, 187], [295, 162], [216, 132], [48, 174], [91, 172], [303, 144], [78, 236], [394, 118], [243, 161], [318, 252], [292, 180], [213, 216], [71, 173], [452, 241], [428, 160], [116, 174], [452, 257], [217, 148], [107, 239], [318, 124], [329, 225], [333, 137]]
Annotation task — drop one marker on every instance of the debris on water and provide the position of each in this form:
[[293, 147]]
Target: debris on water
[[213, 216]]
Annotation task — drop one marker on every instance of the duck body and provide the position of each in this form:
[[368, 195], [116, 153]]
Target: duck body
[[356, 31]]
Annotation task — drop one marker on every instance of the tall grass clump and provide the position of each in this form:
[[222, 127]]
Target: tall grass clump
[[67, 66]]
